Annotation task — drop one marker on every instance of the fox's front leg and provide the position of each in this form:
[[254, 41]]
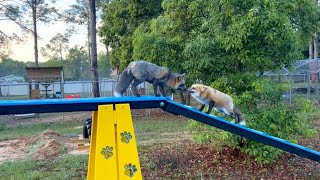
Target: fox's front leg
[[134, 87], [155, 87], [211, 104], [163, 93], [202, 107]]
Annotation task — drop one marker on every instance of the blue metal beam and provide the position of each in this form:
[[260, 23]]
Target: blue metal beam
[[258, 136], [78, 104]]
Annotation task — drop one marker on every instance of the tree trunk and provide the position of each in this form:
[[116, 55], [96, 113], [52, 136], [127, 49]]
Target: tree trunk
[[61, 58], [310, 57], [315, 54], [315, 46], [93, 49], [310, 48], [35, 38], [35, 34], [88, 29]]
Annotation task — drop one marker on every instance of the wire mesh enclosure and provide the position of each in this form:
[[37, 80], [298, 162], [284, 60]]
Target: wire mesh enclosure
[[302, 77]]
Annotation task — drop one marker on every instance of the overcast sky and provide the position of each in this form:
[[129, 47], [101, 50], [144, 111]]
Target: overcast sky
[[25, 52]]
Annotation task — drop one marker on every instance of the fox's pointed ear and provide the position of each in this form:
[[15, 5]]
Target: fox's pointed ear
[[203, 89], [181, 76]]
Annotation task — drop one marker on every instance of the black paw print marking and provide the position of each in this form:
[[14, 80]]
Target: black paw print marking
[[107, 152], [125, 137], [130, 169]]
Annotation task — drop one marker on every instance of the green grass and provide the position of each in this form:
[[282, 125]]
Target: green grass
[[64, 167], [13, 97], [7, 133], [157, 128]]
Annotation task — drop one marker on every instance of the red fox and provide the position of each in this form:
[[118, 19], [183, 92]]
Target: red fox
[[220, 101], [141, 71]]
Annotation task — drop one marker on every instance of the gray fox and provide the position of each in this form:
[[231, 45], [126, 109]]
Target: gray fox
[[141, 71]]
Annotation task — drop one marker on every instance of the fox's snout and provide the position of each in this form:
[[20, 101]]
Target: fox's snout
[[182, 88], [191, 90]]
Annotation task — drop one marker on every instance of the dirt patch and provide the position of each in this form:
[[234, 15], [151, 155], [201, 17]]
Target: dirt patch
[[185, 159], [47, 145], [188, 160], [168, 138], [11, 150]]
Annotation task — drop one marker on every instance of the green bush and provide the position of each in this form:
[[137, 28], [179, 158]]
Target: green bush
[[261, 102]]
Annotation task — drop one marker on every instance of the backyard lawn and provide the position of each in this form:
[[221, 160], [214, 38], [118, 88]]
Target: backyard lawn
[[166, 151]]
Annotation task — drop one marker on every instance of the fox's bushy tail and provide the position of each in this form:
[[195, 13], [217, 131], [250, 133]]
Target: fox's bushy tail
[[125, 80], [239, 116], [240, 120]]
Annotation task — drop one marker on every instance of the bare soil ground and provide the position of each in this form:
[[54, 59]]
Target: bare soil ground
[[47, 145], [175, 157], [187, 160]]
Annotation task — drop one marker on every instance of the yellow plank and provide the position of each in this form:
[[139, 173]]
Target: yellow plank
[[105, 163], [128, 160], [91, 161]]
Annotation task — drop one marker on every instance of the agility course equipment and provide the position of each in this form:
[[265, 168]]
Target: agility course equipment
[[113, 148], [106, 123]]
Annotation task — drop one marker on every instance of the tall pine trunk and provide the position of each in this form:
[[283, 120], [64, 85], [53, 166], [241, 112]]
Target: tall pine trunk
[[93, 49], [310, 48], [310, 58], [35, 34], [315, 46], [315, 54], [35, 38]]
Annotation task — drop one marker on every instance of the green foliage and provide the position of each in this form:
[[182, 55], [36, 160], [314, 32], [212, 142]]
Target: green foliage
[[162, 40], [120, 19], [9, 66], [244, 36], [266, 111], [57, 46], [154, 48], [104, 66], [75, 65]]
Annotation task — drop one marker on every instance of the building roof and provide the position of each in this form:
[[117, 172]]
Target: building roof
[[44, 74]]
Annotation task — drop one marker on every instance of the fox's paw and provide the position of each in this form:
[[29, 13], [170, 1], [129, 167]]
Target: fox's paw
[[107, 152], [130, 169], [242, 142], [125, 137]]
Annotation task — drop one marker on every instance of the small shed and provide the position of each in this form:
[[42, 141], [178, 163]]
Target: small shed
[[45, 76]]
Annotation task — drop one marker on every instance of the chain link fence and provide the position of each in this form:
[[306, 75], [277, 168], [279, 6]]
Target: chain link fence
[[302, 78], [72, 89]]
